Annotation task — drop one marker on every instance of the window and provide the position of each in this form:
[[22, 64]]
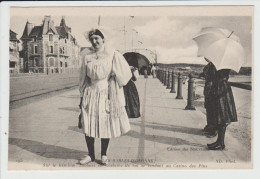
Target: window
[[35, 49], [50, 37], [66, 65], [51, 49], [34, 38], [12, 64], [62, 50], [65, 41], [51, 62], [60, 64], [36, 62]]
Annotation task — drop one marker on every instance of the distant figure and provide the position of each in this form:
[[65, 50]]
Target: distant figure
[[154, 71], [145, 73], [131, 96], [149, 69]]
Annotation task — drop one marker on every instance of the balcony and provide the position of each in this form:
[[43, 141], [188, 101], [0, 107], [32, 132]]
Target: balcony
[[35, 55], [51, 55]]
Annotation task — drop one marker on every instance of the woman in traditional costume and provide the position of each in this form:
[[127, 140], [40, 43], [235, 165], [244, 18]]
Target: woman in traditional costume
[[104, 72], [209, 99], [132, 96], [220, 103]]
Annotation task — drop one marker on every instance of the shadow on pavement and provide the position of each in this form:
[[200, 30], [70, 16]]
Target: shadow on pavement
[[164, 107], [71, 96], [45, 150], [159, 97], [75, 129], [173, 128], [162, 139], [70, 109], [199, 103]]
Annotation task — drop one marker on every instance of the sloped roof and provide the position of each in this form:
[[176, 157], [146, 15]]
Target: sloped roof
[[61, 31], [45, 28], [13, 58], [63, 24], [13, 36], [36, 31], [25, 32]]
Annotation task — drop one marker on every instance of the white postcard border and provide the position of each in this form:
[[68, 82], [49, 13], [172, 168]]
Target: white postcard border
[[4, 84]]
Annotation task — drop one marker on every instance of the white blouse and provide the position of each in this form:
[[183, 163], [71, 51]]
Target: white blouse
[[101, 66]]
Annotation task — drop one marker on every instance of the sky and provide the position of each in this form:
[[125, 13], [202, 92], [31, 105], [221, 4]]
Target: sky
[[170, 36]]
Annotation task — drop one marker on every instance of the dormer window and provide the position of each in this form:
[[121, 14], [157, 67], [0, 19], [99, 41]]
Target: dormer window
[[34, 38], [50, 37]]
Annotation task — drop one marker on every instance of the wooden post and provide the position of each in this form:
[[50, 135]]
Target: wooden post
[[190, 100], [165, 76], [169, 80], [166, 79], [160, 73], [157, 74], [179, 91], [161, 76], [173, 83]]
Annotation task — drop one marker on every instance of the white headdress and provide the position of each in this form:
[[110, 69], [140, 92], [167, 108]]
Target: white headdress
[[103, 30]]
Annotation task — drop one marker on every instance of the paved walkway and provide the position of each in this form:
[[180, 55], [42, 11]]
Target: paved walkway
[[44, 135]]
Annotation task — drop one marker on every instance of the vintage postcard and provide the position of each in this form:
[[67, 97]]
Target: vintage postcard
[[131, 87]]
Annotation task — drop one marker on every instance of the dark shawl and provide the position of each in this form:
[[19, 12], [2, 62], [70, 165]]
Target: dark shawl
[[218, 95]]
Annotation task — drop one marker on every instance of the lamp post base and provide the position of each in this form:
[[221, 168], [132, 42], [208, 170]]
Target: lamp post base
[[190, 108], [179, 97]]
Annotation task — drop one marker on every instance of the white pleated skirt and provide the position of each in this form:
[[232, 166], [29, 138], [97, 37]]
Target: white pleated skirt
[[96, 119]]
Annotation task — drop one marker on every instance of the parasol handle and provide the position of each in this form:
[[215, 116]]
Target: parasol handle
[[230, 34]]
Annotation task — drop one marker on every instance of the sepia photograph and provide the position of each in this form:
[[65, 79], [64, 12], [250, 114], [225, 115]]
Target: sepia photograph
[[131, 88]]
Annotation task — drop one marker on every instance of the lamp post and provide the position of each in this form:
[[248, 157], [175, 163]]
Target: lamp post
[[47, 67], [179, 92], [98, 20], [133, 30]]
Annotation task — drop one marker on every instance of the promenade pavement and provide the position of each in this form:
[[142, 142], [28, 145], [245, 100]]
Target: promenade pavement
[[44, 135]]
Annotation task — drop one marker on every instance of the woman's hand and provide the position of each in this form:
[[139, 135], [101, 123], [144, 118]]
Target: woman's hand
[[201, 76], [111, 76]]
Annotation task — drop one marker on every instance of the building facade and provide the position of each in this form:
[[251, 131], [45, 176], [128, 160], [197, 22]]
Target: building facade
[[49, 49], [14, 62]]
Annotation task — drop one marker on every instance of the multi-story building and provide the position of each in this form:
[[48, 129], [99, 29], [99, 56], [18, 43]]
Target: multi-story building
[[48, 48], [14, 63]]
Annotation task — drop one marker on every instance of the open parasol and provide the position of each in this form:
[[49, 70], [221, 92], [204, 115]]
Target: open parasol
[[221, 47]]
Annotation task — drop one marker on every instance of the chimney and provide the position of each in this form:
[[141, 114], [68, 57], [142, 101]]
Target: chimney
[[30, 26], [48, 24], [62, 22], [47, 18]]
